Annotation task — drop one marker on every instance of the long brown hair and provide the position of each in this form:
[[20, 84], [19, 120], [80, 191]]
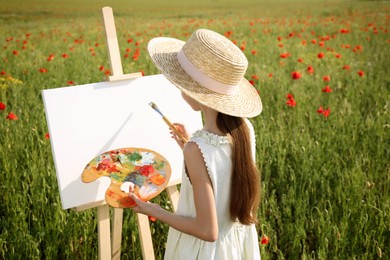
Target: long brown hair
[[245, 183]]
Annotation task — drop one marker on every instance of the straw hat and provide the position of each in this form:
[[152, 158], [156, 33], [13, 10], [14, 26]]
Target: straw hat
[[210, 69]]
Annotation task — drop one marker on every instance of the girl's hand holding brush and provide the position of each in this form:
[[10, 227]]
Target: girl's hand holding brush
[[181, 128]]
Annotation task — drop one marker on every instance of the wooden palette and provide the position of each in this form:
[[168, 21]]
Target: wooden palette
[[146, 171]]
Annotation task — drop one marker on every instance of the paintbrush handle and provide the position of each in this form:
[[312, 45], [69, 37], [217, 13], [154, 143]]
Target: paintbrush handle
[[173, 128]]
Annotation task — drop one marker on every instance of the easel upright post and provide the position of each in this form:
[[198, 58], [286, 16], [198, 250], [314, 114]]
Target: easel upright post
[[113, 48], [117, 74], [103, 211], [104, 232]]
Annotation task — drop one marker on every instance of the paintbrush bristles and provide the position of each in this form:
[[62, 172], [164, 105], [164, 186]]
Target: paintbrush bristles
[[170, 125], [154, 106]]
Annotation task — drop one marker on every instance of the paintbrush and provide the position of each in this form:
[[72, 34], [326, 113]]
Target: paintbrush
[[171, 126]]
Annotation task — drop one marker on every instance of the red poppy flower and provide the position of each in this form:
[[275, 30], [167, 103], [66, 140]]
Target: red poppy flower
[[326, 112], [153, 219], [327, 89], [228, 34], [346, 67], [50, 58], [264, 240], [325, 38], [2, 106], [326, 78], [361, 73], [12, 116], [285, 55], [296, 75], [320, 55], [291, 101]]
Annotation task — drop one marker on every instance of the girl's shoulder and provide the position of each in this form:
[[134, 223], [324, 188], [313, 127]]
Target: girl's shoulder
[[209, 138]]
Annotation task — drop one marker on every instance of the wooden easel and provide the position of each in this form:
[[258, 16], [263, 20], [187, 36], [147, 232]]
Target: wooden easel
[[110, 243]]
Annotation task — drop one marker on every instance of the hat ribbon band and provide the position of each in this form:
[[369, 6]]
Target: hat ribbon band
[[202, 78]]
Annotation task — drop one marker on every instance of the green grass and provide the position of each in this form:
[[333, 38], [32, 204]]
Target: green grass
[[325, 180]]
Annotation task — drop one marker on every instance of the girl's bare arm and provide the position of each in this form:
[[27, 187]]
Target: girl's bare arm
[[204, 225]]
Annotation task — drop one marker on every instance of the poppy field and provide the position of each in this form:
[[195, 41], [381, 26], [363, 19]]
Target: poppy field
[[322, 70]]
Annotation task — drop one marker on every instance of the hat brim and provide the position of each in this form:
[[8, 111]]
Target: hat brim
[[245, 102]]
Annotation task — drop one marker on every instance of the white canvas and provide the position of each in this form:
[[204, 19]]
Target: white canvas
[[87, 120]]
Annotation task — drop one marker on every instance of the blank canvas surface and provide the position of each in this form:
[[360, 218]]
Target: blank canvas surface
[[87, 120]]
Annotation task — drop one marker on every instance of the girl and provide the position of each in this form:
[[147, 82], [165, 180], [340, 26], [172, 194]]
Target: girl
[[220, 188]]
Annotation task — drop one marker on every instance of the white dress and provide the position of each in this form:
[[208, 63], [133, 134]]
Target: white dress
[[235, 241]]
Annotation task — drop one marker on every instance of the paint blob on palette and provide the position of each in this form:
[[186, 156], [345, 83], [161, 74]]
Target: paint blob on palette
[[143, 171]]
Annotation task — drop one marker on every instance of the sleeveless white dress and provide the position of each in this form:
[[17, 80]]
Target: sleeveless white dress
[[235, 241]]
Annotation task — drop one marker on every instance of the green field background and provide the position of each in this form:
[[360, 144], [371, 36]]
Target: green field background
[[325, 178]]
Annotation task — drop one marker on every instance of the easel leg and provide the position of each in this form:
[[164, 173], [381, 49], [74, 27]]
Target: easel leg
[[173, 194], [145, 236], [117, 233], [104, 232]]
